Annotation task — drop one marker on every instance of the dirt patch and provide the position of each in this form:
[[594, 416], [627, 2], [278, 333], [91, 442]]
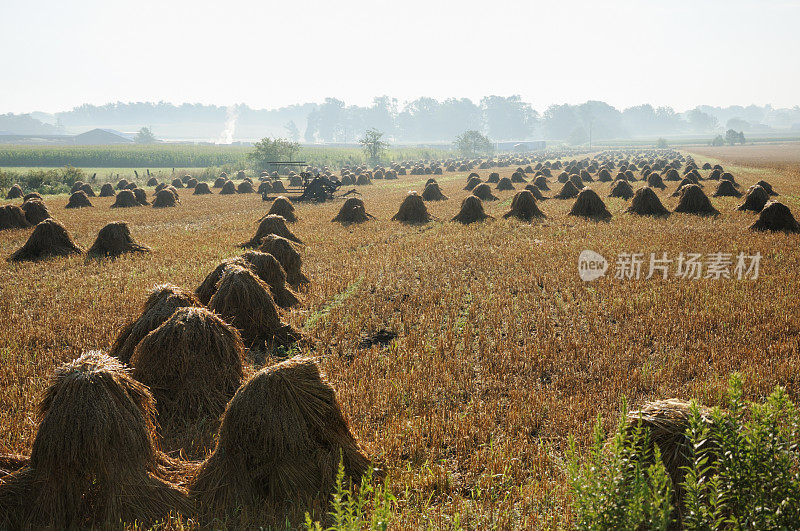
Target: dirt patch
[[380, 337]]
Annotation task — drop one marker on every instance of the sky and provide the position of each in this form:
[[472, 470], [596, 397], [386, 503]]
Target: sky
[[57, 54]]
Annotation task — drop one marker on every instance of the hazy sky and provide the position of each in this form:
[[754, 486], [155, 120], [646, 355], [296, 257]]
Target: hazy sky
[[56, 54]]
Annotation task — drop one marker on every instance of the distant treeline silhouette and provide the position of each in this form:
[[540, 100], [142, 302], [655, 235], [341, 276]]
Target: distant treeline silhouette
[[420, 120]]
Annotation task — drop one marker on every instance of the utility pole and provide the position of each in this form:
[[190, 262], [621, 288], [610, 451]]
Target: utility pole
[[591, 123]]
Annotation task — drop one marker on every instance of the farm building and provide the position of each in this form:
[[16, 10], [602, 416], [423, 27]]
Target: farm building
[[95, 137], [102, 137], [521, 145]]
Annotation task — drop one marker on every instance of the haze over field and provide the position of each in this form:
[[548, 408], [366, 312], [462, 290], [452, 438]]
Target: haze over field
[[273, 54], [420, 72]]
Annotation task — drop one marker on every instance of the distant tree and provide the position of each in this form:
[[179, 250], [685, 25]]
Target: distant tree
[[426, 119], [738, 124], [328, 122], [640, 119], [382, 115], [702, 122], [269, 150], [668, 119], [419, 120], [6, 179], [71, 175], [472, 143], [603, 120], [646, 120], [508, 118], [560, 121], [373, 145], [456, 115], [145, 136], [292, 130], [25, 124], [718, 141], [578, 136], [311, 128], [733, 138], [661, 143]]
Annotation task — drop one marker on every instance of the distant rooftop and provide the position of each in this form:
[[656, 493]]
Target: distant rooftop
[[103, 136], [89, 138]]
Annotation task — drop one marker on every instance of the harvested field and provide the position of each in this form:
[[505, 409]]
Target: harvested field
[[780, 157], [501, 351]]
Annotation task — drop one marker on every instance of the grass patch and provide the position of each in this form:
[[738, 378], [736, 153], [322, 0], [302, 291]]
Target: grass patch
[[337, 301]]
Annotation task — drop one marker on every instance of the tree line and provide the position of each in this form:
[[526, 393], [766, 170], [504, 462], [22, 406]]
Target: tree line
[[423, 120], [511, 118]]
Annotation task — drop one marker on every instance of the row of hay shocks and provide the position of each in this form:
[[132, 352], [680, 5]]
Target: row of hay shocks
[[129, 194], [276, 263], [271, 183], [773, 215], [281, 434], [362, 175], [50, 238]]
